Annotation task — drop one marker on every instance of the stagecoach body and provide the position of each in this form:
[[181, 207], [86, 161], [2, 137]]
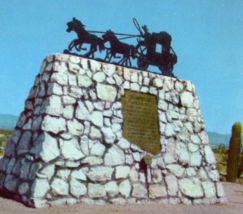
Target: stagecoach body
[[150, 55]]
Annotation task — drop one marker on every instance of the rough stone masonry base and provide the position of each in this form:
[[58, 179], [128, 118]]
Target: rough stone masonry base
[[68, 145]]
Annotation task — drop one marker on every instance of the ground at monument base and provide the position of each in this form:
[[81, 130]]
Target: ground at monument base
[[234, 193]]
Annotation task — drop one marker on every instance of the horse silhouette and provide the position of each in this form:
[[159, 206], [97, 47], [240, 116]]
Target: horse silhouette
[[84, 37], [118, 47]]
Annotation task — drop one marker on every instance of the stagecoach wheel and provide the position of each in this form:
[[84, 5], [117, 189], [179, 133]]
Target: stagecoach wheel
[[142, 63], [167, 69]]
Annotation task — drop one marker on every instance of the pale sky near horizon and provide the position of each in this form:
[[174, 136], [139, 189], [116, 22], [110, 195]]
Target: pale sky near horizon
[[207, 36]]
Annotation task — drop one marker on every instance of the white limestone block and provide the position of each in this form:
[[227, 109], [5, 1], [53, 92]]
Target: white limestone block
[[68, 100], [54, 88], [59, 187], [214, 175], [84, 81], [97, 149], [41, 92], [74, 67], [100, 105], [195, 139], [53, 124], [71, 150], [158, 82], [24, 143], [75, 127], [220, 189], [192, 147], [179, 86], [169, 158], [75, 92], [122, 172], [97, 118], [171, 182], [186, 99], [100, 173], [129, 159], [162, 105], [196, 159], [95, 133], [45, 147], [204, 137], [202, 174], [118, 200], [77, 189], [191, 112], [190, 171], [78, 174], [82, 112], [191, 187], [136, 156], [169, 130], [114, 156], [39, 188], [189, 127], [96, 190], [108, 69], [125, 188], [92, 160], [11, 183], [169, 84], [176, 169], [48, 171], [24, 188], [106, 92], [68, 112], [95, 65], [123, 143], [209, 155], [157, 191], [99, 77], [209, 189], [112, 189], [139, 191], [133, 175], [118, 79], [189, 86], [182, 153], [10, 165], [110, 80], [108, 134], [74, 59], [60, 78], [63, 174]]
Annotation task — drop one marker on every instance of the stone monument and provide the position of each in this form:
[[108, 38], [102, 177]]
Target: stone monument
[[99, 133]]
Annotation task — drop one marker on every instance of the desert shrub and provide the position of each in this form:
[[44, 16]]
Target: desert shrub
[[4, 136]]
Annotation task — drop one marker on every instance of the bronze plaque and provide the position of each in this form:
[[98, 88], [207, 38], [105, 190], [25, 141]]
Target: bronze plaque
[[141, 125]]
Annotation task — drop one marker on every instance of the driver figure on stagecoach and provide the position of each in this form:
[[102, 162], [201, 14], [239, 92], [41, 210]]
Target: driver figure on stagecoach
[[150, 41]]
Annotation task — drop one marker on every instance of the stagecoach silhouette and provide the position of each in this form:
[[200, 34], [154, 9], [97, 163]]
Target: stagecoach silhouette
[[146, 51]]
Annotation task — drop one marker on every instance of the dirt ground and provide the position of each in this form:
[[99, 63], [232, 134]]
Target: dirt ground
[[234, 193]]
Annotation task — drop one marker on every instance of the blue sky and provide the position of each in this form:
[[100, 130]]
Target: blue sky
[[207, 36]]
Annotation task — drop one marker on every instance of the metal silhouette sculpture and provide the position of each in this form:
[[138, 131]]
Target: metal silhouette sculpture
[[165, 60], [118, 47], [144, 51], [84, 37]]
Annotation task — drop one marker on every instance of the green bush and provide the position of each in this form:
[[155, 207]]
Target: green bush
[[4, 136]]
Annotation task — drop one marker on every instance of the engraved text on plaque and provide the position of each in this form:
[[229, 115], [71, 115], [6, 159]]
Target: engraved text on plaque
[[141, 125]]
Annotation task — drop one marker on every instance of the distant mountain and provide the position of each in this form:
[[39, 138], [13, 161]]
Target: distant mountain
[[8, 121], [217, 139]]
